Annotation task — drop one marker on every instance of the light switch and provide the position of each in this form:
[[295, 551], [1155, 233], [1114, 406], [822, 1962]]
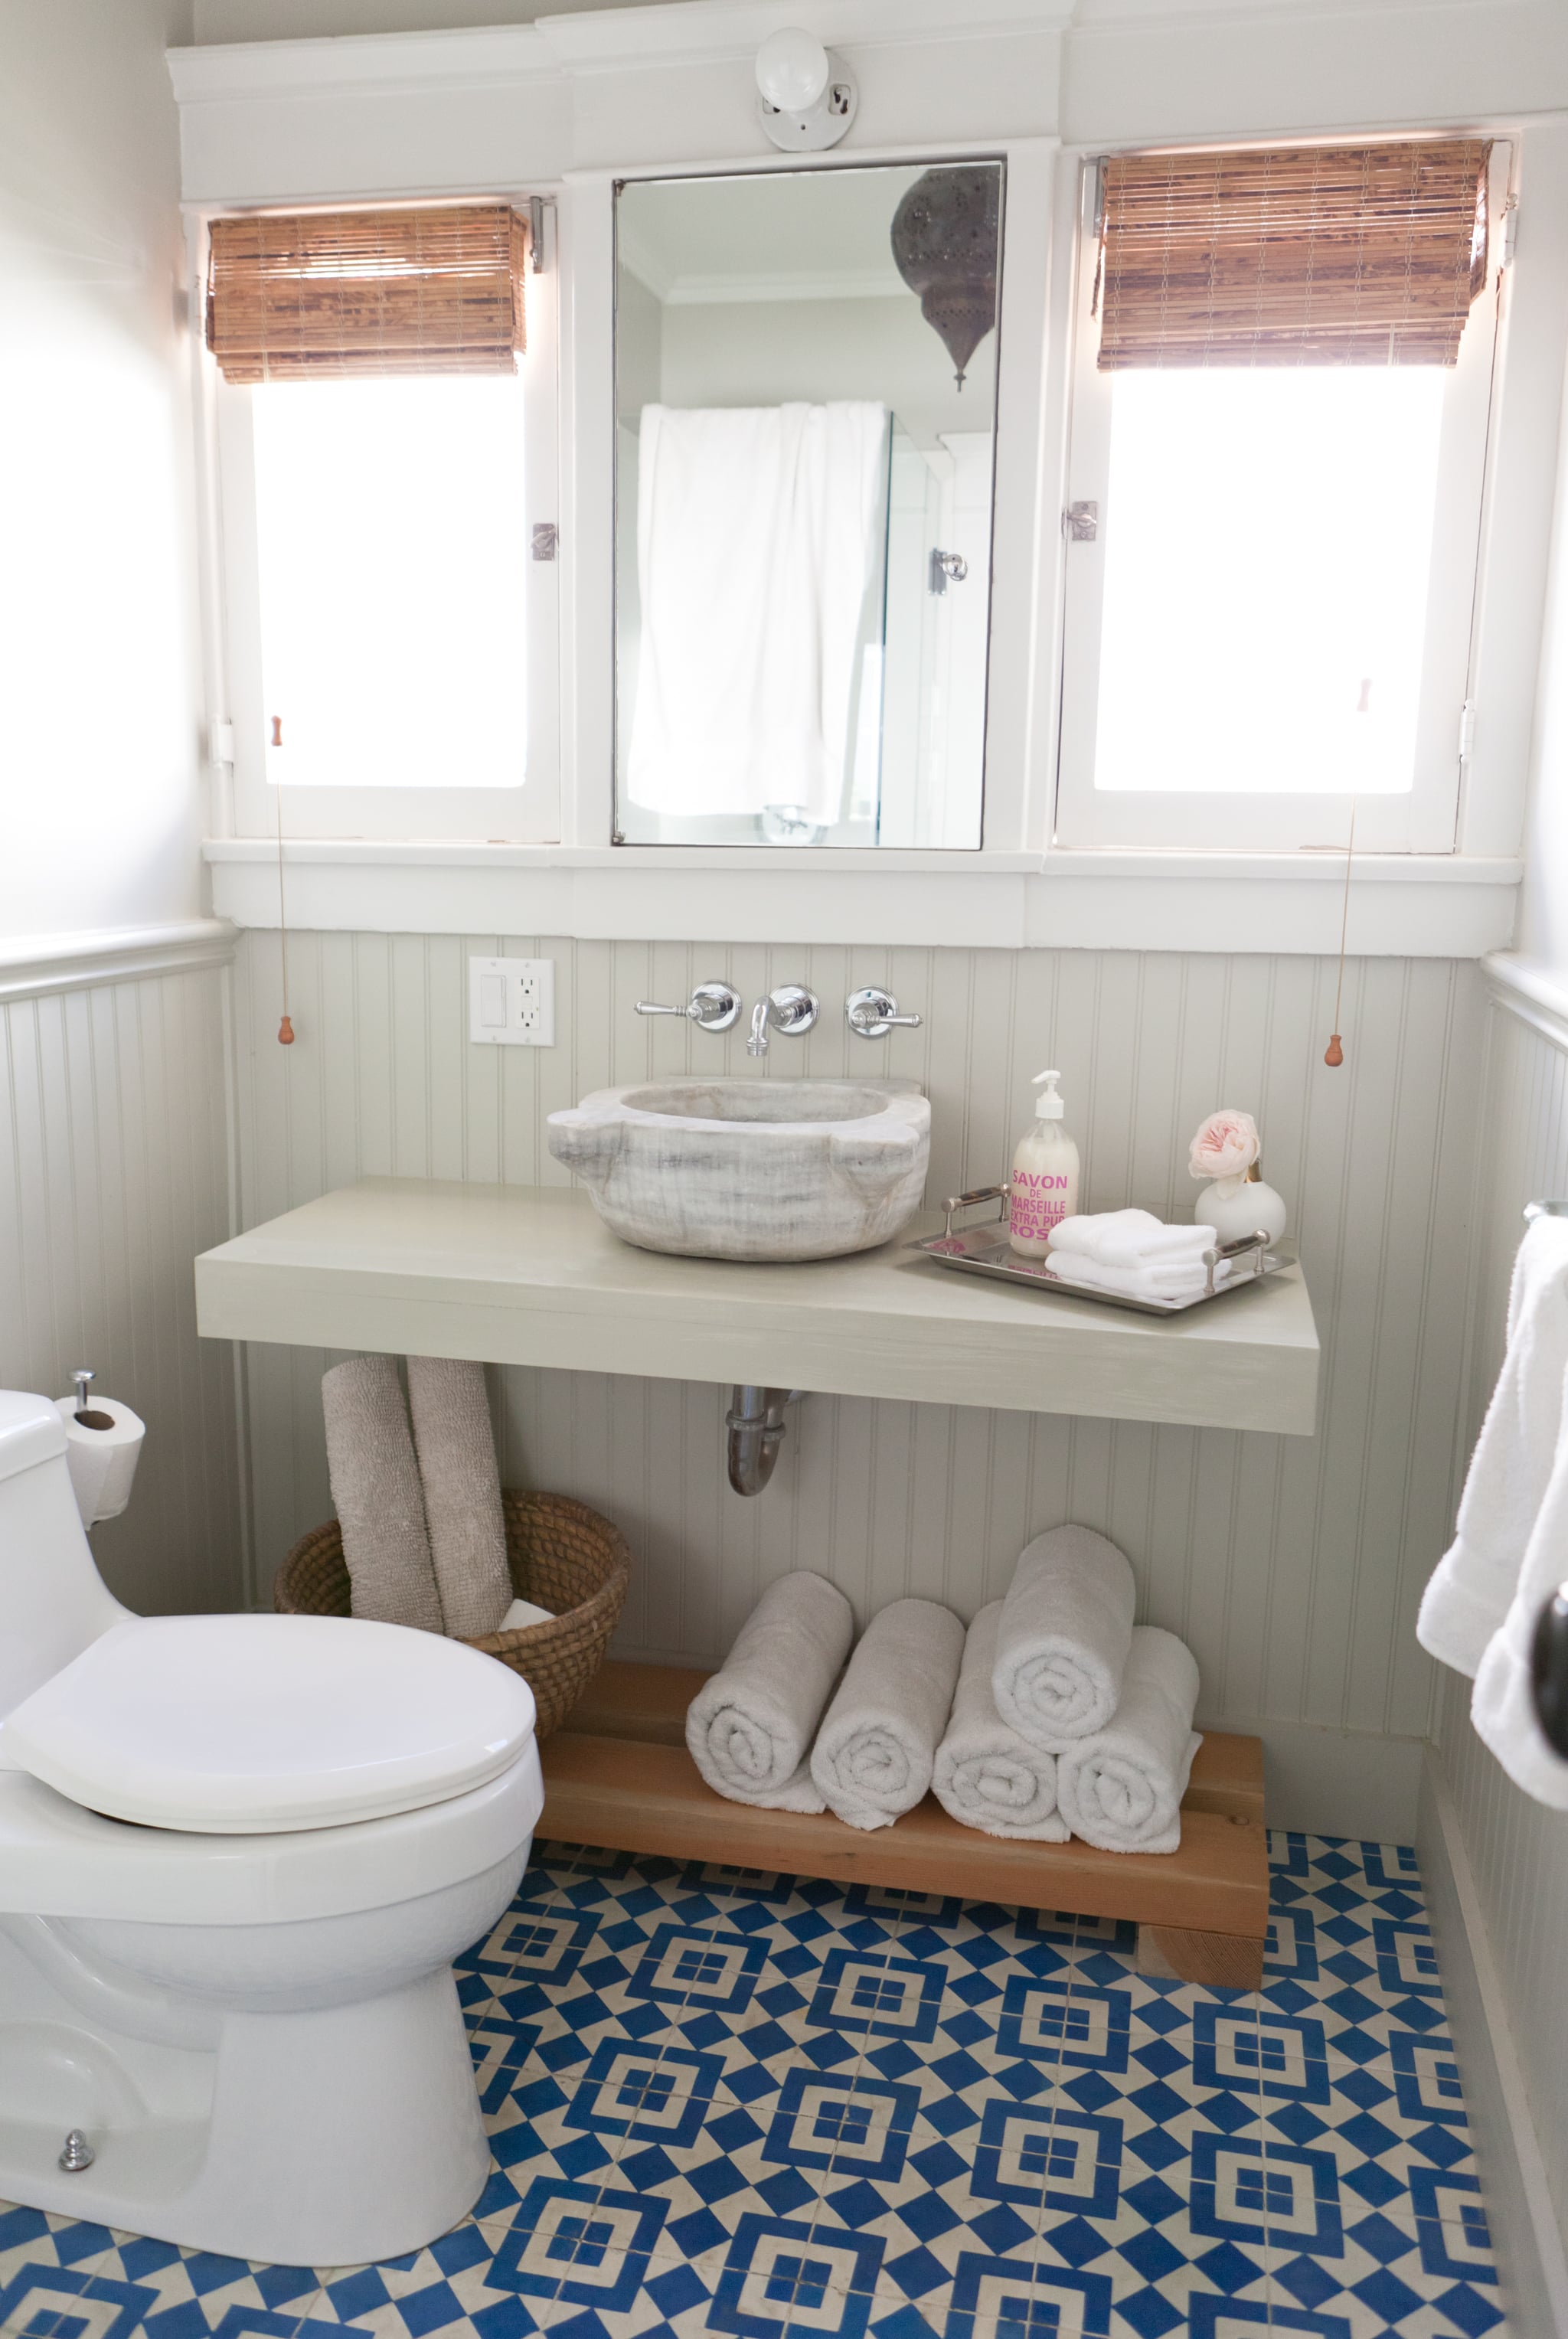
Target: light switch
[[512, 1001]]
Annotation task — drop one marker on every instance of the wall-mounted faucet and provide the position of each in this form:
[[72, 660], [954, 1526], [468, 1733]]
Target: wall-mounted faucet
[[713, 1006], [791, 1008], [872, 1014]]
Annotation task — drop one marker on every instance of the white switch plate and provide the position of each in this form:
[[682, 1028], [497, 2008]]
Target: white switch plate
[[512, 1001]]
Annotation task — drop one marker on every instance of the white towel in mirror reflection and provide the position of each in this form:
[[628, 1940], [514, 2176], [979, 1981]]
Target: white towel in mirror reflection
[[760, 535]]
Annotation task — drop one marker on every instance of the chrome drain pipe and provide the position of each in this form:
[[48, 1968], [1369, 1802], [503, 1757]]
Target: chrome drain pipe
[[756, 1423]]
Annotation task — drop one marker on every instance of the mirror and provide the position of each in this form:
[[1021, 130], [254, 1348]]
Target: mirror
[[805, 418]]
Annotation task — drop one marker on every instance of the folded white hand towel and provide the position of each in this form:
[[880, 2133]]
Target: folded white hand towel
[[1183, 1282], [750, 1726], [376, 1493], [1474, 1582], [1121, 1790], [986, 1775], [457, 1457], [1062, 1642], [876, 1749], [1502, 1706], [1128, 1239]]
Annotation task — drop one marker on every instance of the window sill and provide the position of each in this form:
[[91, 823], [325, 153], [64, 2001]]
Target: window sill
[[1401, 905]]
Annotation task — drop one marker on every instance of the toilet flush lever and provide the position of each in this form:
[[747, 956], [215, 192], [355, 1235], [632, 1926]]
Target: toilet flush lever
[[872, 1013], [713, 1006]]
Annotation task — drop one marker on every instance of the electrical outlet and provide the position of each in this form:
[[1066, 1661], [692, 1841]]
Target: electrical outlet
[[512, 1001]]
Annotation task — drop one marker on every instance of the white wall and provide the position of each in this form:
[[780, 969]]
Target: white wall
[[99, 730], [113, 1096], [1542, 931], [1293, 1563], [113, 1174]]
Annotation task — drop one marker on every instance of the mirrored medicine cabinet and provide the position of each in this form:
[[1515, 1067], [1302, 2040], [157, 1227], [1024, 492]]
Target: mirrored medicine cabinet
[[805, 367]]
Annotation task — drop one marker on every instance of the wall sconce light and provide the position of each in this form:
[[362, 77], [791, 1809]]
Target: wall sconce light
[[806, 97]]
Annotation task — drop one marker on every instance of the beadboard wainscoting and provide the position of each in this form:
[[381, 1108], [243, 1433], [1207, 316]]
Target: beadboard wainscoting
[[115, 1171], [1292, 1564], [1517, 1851]]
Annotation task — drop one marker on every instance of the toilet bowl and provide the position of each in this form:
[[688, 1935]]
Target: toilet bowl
[[238, 1855]]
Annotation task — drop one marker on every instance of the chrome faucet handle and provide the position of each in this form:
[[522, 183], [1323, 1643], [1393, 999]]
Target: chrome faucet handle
[[874, 1012], [794, 1009], [713, 1006]]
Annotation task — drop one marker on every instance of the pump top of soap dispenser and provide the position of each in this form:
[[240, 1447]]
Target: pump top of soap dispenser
[[1049, 1106]]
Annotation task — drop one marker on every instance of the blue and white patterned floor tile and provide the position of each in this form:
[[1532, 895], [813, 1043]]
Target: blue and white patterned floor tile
[[724, 2102]]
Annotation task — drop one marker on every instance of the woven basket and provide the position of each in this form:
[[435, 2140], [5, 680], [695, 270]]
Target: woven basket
[[562, 1555]]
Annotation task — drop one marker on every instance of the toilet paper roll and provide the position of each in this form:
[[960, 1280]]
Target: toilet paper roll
[[103, 1460]]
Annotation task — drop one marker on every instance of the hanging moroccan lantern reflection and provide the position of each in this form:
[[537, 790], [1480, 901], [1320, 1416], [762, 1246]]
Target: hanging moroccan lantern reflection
[[945, 238]]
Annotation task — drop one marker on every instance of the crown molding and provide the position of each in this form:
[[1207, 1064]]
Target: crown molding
[[607, 40], [383, 64]]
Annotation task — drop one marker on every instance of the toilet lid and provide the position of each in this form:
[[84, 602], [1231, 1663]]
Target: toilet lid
[[234, 1725]]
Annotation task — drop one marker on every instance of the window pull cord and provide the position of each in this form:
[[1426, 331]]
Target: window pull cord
[[285, 1029], [1334, 1054]]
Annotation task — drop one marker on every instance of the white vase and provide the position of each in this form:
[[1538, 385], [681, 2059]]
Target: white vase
[[1239, 1206]]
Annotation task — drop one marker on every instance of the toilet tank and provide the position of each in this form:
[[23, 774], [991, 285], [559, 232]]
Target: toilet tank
[[53, 1600]]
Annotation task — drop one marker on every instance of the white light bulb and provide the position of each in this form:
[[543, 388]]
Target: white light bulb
[[791, 69]]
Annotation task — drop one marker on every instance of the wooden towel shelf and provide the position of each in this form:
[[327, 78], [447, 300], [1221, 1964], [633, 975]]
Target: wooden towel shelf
[[617, 1775]]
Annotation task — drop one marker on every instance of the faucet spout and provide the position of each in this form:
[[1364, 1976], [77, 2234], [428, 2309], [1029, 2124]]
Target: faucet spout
[[758, 1044]]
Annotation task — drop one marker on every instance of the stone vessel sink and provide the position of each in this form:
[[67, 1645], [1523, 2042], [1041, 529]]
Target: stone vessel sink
[[750, 1168]]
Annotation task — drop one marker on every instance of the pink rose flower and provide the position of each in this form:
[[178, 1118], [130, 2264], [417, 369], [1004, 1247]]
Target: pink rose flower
[[1226, 1146]]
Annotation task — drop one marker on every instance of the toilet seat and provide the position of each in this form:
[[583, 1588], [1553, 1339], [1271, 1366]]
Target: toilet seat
[[243, 1725]]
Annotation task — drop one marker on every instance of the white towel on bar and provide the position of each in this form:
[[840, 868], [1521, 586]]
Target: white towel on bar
[[1130, 1239], [1474, 1582], [750, 1726], [1121, 1790], [1062, 1642], [986, 1775], [758, 541], [876, 1749], [1502, 1706]]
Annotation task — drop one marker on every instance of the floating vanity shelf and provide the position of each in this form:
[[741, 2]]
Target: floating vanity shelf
[[527, 1274], [617, 1775]]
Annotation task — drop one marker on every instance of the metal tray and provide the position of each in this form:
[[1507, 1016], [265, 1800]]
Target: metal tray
[[986, 1250]]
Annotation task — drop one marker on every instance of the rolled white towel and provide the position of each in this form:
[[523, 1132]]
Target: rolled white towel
[[1062, 1642], [1121, 1790], [876, 1749], [986, 1775], [1128, 1239], [750, 1726]]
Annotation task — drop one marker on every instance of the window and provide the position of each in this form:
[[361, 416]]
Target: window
[[386, 428], [1282, 380]]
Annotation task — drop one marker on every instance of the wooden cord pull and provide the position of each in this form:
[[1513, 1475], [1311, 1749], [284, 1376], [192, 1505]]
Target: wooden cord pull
[[1334, 1053]]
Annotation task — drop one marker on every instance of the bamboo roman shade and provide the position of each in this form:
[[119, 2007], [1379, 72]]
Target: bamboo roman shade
[[311, 296], [1297, 256]]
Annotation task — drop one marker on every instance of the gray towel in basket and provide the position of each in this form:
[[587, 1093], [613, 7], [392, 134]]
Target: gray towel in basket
[[376, 1494], [457, 1454]]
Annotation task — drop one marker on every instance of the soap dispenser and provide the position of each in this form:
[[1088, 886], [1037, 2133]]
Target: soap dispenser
[[1044, 1173]]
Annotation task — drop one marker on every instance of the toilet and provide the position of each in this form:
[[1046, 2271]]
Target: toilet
[[238, 1855]]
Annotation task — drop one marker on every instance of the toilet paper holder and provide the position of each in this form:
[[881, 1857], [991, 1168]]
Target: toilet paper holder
[[102, 1447], [88, 1416]]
